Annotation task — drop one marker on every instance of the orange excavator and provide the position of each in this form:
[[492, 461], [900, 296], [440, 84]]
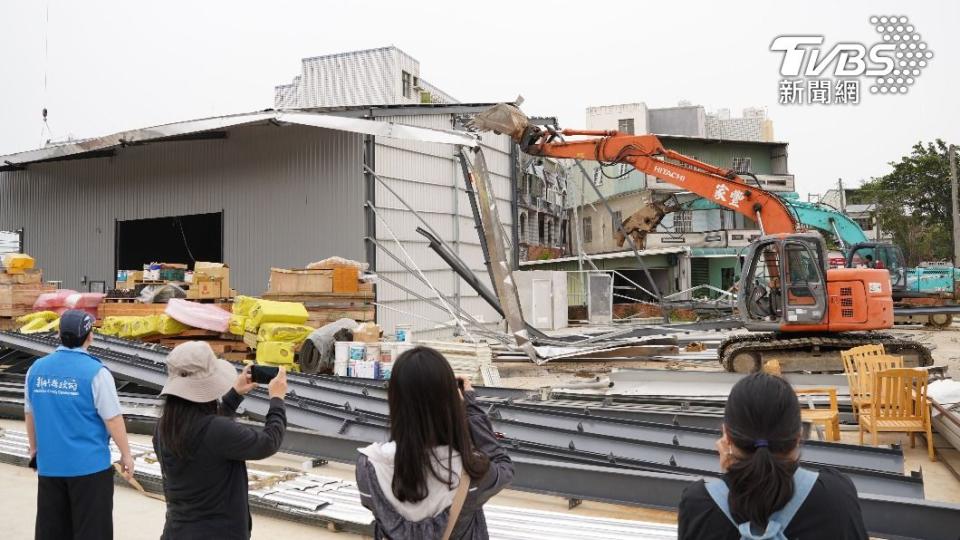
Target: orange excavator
[[799, 311]]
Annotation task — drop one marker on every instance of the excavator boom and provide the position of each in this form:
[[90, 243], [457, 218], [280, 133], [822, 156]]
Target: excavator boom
[[785, 286], [646, 154]]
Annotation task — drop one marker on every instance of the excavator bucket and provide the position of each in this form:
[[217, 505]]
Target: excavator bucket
[[503, 118]]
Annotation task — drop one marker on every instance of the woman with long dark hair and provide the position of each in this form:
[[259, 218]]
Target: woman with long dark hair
[[443, 461], [202, 451], [764, 493]]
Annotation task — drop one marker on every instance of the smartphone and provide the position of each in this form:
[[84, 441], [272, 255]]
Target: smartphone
[[263, 374], [460, 384]]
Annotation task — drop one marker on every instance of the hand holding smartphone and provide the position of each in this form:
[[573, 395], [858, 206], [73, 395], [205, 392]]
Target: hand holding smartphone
[[263, 374]]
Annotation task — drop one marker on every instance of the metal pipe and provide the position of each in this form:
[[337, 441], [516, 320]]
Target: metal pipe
[[477, 222], [403, 250]]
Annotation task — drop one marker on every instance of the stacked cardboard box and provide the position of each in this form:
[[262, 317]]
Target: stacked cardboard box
[[20, 285], [329, 293], [210, 280]]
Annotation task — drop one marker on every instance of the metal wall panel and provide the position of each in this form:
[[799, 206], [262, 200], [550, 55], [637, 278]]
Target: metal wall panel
[[428, 177], [290, 195]]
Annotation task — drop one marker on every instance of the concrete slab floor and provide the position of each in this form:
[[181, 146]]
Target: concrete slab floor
[[939, 484]]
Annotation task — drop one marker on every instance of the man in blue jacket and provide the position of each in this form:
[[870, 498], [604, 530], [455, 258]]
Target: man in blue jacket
[[71, 411]]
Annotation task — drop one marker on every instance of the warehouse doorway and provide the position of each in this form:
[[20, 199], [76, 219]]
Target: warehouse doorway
[[175, 239]]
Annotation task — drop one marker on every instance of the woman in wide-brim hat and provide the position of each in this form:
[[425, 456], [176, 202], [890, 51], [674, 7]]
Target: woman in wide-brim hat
[[202, 451]]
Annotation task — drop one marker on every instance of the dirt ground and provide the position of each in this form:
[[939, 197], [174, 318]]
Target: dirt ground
[[945, 344]]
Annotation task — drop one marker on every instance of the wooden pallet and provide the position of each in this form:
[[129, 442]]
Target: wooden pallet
[[9, 323], [236, 356], [120, 300]]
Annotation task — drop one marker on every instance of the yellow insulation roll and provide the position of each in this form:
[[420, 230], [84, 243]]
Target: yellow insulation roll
[[276, 352], [294, 333], [44, 315], [267, 311]]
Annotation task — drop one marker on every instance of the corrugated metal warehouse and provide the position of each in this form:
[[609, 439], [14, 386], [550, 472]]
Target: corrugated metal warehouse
[[262, 193]]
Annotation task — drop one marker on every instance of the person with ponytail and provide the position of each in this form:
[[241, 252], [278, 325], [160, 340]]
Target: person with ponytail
[[764, 493], [443, 461]]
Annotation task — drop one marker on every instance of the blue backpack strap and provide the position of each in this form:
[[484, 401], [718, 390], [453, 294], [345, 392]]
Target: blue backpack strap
[[720, 493], [803, 482]]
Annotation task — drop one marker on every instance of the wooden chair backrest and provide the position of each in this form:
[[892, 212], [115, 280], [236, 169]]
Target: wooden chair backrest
[[867, 366], [830, 391], [850, 368], [901, 394]]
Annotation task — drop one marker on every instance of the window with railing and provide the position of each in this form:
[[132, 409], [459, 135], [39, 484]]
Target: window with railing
[[587, 230], [683, 221], [741, 164]]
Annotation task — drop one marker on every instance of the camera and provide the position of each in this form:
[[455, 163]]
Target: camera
[[263, 374]]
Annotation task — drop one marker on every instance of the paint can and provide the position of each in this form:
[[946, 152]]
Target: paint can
[[357, 350], [402, 333], [372, 353], [387, 352], [341, 358]]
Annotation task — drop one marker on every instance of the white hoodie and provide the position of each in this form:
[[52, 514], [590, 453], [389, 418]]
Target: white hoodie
[[439, 495]]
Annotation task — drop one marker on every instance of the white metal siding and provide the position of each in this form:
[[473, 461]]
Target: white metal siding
[[290, 195], [428, 177]]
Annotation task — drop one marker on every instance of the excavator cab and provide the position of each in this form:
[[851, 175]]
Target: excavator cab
[[880, 256], [783, 282]]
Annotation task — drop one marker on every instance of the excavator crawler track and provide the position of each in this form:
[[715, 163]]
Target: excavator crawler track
[[817, 352]]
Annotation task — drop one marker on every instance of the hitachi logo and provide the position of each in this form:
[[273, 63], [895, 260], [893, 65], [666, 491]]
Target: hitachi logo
[[663, 171]]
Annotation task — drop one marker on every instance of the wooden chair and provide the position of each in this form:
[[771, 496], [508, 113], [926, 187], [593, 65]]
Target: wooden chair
[[866, 367], [828, 418], [849, 358], [899, 403]]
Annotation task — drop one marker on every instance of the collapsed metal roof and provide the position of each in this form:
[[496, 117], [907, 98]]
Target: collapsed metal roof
[[612, 255], [190, 129]]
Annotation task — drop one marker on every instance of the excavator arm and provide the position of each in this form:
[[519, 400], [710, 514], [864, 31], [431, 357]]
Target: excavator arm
[[646, 154]]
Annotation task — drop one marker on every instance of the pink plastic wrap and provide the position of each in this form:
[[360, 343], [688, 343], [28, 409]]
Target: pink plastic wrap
[[205, 316], [85, 300], [53, 300], [61, 310]]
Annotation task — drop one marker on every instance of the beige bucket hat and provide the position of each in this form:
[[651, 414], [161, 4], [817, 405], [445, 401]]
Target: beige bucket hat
[[196, 374]]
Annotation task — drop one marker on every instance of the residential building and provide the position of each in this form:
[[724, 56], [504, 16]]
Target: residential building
[[384, 76], [541, 214], [261, 190], [685, 119], [694, 247], [752, 126]]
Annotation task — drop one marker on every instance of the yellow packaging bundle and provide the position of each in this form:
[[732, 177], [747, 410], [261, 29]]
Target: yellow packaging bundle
[[16, 263], [33, 327], [169, 326], [144, 326], [46, 316], [249, 325], [267, 311], [294, 333], [242, 305], [112, 326], [276, 352], [237, 323], [52, 326]]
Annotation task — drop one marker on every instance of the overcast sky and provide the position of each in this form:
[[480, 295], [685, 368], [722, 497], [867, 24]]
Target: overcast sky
[[115, 65]]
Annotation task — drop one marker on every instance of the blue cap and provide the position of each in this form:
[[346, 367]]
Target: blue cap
[[75, 326]]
